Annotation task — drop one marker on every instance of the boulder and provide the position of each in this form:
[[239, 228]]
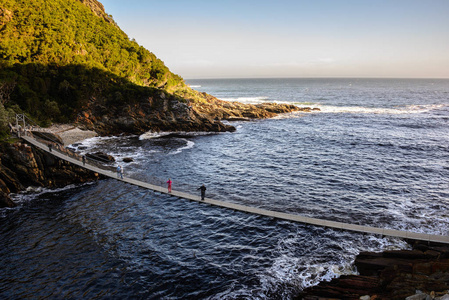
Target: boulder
[[100, 156]]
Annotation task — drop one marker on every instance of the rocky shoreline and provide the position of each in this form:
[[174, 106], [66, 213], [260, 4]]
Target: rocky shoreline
[[71, 134], [22, 166], [165, 112], [416, 274], [224, 110], [420, 273]]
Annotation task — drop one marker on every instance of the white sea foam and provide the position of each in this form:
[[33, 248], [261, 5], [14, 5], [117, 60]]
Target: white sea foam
[[189, 145], [179, 134], [154, 135], [417, 217], [291, 115], [93, 141], [248, 100], [411, 109], [293, 270], [32, 193], [135, 153], [195, 86]]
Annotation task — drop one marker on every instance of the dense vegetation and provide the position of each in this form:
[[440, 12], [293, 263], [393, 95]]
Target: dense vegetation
[[56, 55]]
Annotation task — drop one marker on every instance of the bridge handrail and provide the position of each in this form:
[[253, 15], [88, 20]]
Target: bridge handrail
[[273, 214], [29, 126]]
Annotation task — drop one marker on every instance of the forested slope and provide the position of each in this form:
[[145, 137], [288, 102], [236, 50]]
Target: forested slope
[[67, 61], [57, 55]]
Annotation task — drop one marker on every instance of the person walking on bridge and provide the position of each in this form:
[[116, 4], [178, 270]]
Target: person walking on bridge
[[119, 172], [203, 191], [169, 182]]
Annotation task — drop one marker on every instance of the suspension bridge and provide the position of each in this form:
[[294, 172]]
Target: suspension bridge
[[56, 150]]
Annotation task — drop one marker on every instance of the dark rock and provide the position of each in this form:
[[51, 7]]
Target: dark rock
[[162, 111], [22, 166], [128, 159], [8, 180], [390, 275], [5, 200], [47, 136], [405, 254], [100, 156]]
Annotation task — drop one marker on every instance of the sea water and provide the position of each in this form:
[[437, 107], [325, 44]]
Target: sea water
[[376, 154]]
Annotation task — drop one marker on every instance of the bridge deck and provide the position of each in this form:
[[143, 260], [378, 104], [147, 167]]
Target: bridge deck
[[263, 212]]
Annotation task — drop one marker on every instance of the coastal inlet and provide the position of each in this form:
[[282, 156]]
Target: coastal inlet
[[376, 154]]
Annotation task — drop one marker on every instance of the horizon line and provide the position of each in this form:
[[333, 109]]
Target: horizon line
[[319, 77]]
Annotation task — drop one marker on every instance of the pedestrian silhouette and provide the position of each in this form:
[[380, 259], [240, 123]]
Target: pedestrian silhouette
[[203, 191], [119, 172]]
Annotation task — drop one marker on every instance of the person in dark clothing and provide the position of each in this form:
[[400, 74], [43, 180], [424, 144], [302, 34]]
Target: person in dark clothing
[[203, 191], [49, 147], [84, 160]]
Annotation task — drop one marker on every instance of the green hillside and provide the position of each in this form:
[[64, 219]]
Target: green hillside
[[57, 55]]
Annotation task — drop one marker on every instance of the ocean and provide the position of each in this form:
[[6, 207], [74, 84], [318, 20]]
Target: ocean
[[375, 154]]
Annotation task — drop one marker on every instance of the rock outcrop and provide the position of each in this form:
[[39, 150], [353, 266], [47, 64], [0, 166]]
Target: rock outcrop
[[224, 110], [22, 165], [157, 112], [98, 9], [101, 157], [391, 275], [166, 112]]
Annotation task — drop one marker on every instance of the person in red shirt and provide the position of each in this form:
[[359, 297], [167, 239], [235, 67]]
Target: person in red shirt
[[169, 182]]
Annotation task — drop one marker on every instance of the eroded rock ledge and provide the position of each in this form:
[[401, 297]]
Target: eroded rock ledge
[[22, 166], [165, 112], [391, 275], [224, 110]]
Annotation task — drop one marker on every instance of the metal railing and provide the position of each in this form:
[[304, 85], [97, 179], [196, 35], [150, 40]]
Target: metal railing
[[27, 127]]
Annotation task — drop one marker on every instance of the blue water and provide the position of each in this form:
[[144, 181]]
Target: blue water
[[376, 154]]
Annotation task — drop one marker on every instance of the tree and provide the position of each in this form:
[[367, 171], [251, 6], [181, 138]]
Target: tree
[[3, 121], [6, 88]]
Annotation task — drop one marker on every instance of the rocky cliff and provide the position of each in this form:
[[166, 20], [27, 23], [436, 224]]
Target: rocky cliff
[[160, 111], [224, 110], [156, 111], [81, 67], [22, 166]]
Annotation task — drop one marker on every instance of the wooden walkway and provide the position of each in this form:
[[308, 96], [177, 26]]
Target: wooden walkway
[[253, 210]]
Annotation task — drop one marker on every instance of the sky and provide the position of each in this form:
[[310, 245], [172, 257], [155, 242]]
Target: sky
[[199, 39]]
